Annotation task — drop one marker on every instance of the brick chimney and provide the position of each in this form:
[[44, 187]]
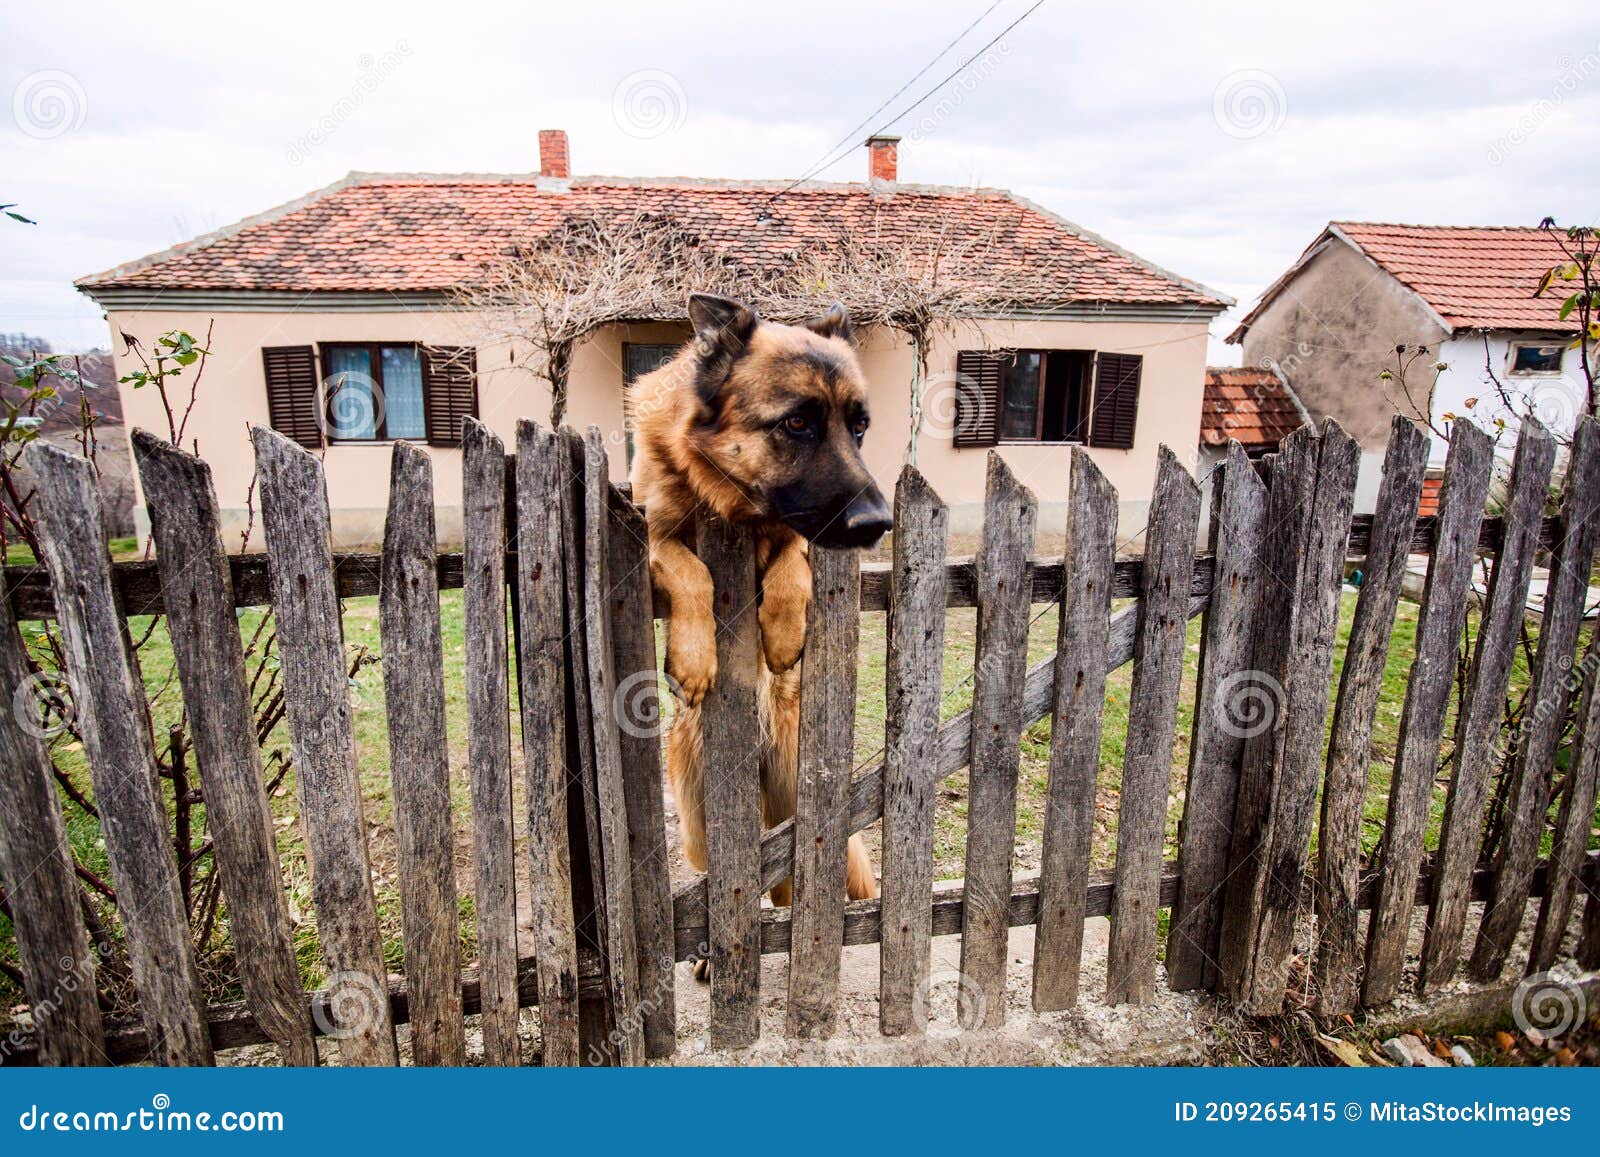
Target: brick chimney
[[553, 161], [883, 160]]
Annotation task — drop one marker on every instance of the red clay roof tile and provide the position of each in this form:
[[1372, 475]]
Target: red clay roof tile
[[400, 233], [1474, 278], [1248, 405]]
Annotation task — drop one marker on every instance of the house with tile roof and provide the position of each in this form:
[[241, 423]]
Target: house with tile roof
[[1332, 323], [1250, 405], [358, 284]]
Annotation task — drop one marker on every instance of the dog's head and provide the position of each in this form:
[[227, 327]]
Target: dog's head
[[782, 414]]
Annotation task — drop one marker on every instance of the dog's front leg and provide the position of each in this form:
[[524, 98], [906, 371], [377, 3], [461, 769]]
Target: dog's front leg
[[785, 593], [691, 626]]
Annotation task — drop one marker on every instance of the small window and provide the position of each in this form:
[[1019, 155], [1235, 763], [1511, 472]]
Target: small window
[[639, 359], [1528, 358], [372, 392], [1045, 396]]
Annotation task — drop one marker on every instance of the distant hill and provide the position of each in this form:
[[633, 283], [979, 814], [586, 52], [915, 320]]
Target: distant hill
[[63, 420]]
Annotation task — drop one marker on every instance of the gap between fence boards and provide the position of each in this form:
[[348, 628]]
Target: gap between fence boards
[[356, 574], [232, 1025]]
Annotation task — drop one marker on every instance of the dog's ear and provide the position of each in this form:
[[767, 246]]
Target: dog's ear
[[722, 330], [834, 323]]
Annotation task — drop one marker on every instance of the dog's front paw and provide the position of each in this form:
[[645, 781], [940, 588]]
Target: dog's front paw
[[702, 970], [692, 661], [783, 632]]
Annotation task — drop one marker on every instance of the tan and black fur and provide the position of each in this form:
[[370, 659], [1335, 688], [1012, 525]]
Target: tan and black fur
[[762, 424]]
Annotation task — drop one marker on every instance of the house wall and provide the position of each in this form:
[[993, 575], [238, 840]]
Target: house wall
[[1467, 389], [1331, 332], [232, 397]]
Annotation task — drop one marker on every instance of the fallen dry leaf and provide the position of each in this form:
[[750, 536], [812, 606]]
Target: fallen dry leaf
[[1342, 1051]]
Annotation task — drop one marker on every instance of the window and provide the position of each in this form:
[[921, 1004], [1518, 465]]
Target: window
[[1045, 396], [639, 359], [1076, 396], [1530, 358], [371, 391]]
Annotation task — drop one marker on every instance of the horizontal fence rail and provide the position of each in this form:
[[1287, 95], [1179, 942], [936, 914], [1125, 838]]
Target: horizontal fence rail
[[357, 573]]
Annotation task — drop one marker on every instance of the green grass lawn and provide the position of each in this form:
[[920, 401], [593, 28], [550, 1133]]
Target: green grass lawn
[[371, 734]]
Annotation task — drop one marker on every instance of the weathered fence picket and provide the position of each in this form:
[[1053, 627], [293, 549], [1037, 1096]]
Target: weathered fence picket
[[915, 665], [1338, 949], [1010, 515], [1152, 723], [122, 763], [1080, 693], [596, 1024], [541, 668], [483, 501], [295, 517], [1444, 606], [637, 703], [1574, 823], [1238, 511], [730, 770], [186, 528], [1303, 683], [413, 693], [36, 868], [822, 803], [1477, 729], [620, 945], [1546, 706]]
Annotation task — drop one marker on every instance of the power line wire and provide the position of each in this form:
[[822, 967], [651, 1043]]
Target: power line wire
[[833, 155]]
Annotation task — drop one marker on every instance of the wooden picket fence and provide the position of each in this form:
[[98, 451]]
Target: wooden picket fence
[[551, 541]]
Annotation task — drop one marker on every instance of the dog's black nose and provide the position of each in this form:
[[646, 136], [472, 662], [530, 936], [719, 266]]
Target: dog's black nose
[[866, 519]]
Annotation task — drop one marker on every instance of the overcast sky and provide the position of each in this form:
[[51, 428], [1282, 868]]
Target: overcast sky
[[1213, 142]]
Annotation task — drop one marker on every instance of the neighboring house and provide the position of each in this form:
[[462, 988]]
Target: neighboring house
[[355, 281], [1331, 324], [61, 421]]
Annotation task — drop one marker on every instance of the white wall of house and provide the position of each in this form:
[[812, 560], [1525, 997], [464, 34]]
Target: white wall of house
[[1466, 388]]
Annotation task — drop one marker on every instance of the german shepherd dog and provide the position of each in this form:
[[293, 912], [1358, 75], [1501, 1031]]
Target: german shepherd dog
[[760, 424]]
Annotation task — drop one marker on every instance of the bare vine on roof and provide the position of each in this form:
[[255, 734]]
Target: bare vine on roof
[[551, 293], [923, 285], [589, 272]]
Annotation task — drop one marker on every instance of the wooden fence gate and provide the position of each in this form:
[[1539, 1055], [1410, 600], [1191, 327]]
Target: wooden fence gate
[[552, 543]]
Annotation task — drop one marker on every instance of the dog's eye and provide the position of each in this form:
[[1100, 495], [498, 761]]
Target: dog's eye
[[859, 427], [797, 424]]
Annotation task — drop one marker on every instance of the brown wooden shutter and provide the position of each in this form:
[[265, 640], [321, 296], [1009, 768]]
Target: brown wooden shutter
[[292, 392], [979, 375], [450, 391], [1116, 400]]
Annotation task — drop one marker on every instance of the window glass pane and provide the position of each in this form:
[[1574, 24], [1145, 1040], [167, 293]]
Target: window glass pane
[[347, 409], [1019, 416], [639, 359], [402, 392], [1536, 359]]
